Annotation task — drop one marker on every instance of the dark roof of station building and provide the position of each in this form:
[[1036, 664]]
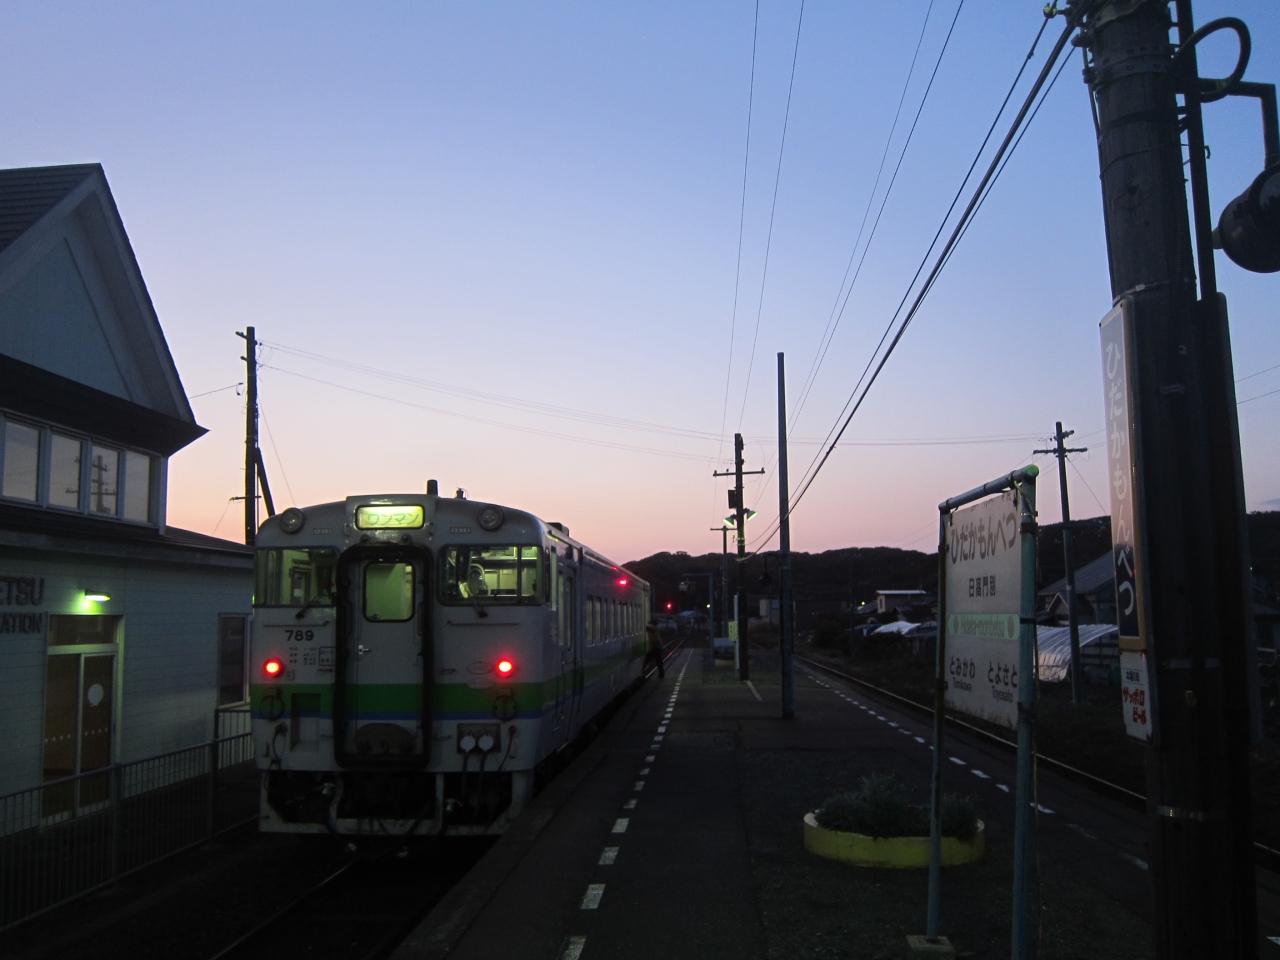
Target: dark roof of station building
[[28, 193]]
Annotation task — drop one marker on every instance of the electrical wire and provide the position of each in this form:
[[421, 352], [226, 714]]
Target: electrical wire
[[1071, 464], [1258, 397], [773, 209], [742, 219], [493, 423], [1239, 380], [276, 450], [207, 393], [838, 307], [495, 399], [857, 398]]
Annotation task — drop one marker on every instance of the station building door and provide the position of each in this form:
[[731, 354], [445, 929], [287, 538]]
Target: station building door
[[79, 710]]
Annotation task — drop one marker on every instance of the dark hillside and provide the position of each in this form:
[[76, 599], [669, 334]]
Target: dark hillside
[[833, 574]]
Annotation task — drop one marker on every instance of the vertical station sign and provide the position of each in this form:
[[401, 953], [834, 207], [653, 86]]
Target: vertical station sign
[[984, 595], [1126, 553]]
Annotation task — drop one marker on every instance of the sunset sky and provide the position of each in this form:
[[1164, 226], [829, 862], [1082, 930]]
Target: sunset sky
[[496, 244]]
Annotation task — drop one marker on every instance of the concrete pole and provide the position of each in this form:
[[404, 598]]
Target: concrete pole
[[1186, 530], [786, 618]]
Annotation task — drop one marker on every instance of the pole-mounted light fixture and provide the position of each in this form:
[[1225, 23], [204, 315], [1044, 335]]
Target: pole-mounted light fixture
[[746, 515]]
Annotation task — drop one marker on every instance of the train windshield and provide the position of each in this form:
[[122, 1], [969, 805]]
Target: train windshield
[[492, 574], [295, 578]]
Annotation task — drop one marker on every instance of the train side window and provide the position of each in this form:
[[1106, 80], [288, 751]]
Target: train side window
[[388, 592]]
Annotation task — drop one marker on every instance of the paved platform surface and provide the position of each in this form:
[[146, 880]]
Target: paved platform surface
[[677, 834]]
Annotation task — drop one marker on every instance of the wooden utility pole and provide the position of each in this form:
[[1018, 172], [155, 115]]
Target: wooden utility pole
[[251, 454], [1185, 541], [255, 469], [1069, 557], [737, 503]]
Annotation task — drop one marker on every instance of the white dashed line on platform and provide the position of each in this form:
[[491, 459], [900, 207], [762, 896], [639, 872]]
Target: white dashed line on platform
[[591, 899], [573, 948], [608, 856], [1081, 830], [978, 773], [620, 825], [648, 759], [629, 805], [957, 760], [1001, 786], [1141, 864], [919, 739], [1043, 809], [639, 785], [644, 772]]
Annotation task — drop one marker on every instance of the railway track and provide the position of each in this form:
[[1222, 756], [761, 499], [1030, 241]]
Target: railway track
[[363, 909], [1263, 855]]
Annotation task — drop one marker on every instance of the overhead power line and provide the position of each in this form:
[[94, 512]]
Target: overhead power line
[[842, 296], [742, 219], [773, 209], [858, 396]]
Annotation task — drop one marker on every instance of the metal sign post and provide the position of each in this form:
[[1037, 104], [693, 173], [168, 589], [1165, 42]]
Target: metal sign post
[[986, 653]]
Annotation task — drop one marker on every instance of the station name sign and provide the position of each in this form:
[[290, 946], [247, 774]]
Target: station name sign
[[984, 592], [21, 592]]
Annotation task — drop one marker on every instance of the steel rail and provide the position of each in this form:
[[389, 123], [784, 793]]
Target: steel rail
[[1264, 855], [288, 908]]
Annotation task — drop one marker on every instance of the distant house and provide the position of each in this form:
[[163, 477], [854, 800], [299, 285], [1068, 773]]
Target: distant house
[[1095, 594], [892, 601]]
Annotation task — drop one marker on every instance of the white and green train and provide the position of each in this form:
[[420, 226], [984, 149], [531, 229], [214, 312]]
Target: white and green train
[[416, 659]]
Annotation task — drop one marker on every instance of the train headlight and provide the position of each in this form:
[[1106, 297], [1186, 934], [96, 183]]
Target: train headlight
[[291, 520], [506, 667], [273, 667], [491, 518]]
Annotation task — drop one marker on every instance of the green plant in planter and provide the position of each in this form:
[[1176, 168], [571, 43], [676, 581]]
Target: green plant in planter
[[882, 807]]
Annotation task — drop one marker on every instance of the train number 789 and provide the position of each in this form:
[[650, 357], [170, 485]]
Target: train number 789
[[299, 635]]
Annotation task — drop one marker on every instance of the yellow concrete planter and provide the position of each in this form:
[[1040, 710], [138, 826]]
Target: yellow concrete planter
[[900, 852]]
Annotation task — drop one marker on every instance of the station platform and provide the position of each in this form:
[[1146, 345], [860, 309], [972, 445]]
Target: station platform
[[678, 833]]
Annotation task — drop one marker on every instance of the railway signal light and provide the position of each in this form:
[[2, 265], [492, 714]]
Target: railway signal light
[[273, 667], [1249, 228]]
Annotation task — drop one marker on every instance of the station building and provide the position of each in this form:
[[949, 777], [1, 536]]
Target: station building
[[119, 634]]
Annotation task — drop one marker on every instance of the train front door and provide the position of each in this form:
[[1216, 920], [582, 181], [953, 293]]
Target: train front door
[[380, 699]]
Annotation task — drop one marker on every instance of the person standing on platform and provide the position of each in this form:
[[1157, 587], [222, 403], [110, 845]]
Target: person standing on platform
[[654, 652]]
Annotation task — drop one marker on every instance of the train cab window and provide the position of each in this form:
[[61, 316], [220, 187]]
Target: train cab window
[[295, 578], [492, 575], [388, 592]]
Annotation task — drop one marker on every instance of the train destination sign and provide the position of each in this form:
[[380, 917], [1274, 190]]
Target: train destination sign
[[389, 517], [984, 591]]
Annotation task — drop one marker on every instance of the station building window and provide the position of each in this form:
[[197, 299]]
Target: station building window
[[46, 467]]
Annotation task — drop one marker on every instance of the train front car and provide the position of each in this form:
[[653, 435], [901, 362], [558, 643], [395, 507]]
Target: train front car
[[416, 658]]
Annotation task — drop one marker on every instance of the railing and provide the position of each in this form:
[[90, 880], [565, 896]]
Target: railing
[[68, 837]]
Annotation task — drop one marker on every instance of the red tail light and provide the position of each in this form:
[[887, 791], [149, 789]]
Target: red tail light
[[506, 668], [623, 581], [273, 667]]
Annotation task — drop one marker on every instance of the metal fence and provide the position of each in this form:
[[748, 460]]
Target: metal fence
[[68, 837]]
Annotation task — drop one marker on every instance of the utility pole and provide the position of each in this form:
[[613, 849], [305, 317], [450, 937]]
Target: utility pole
[[724, 578], [255, 469], [786, 619], [1069, 556], [736, 502], [1185, 540], [251, 454]]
